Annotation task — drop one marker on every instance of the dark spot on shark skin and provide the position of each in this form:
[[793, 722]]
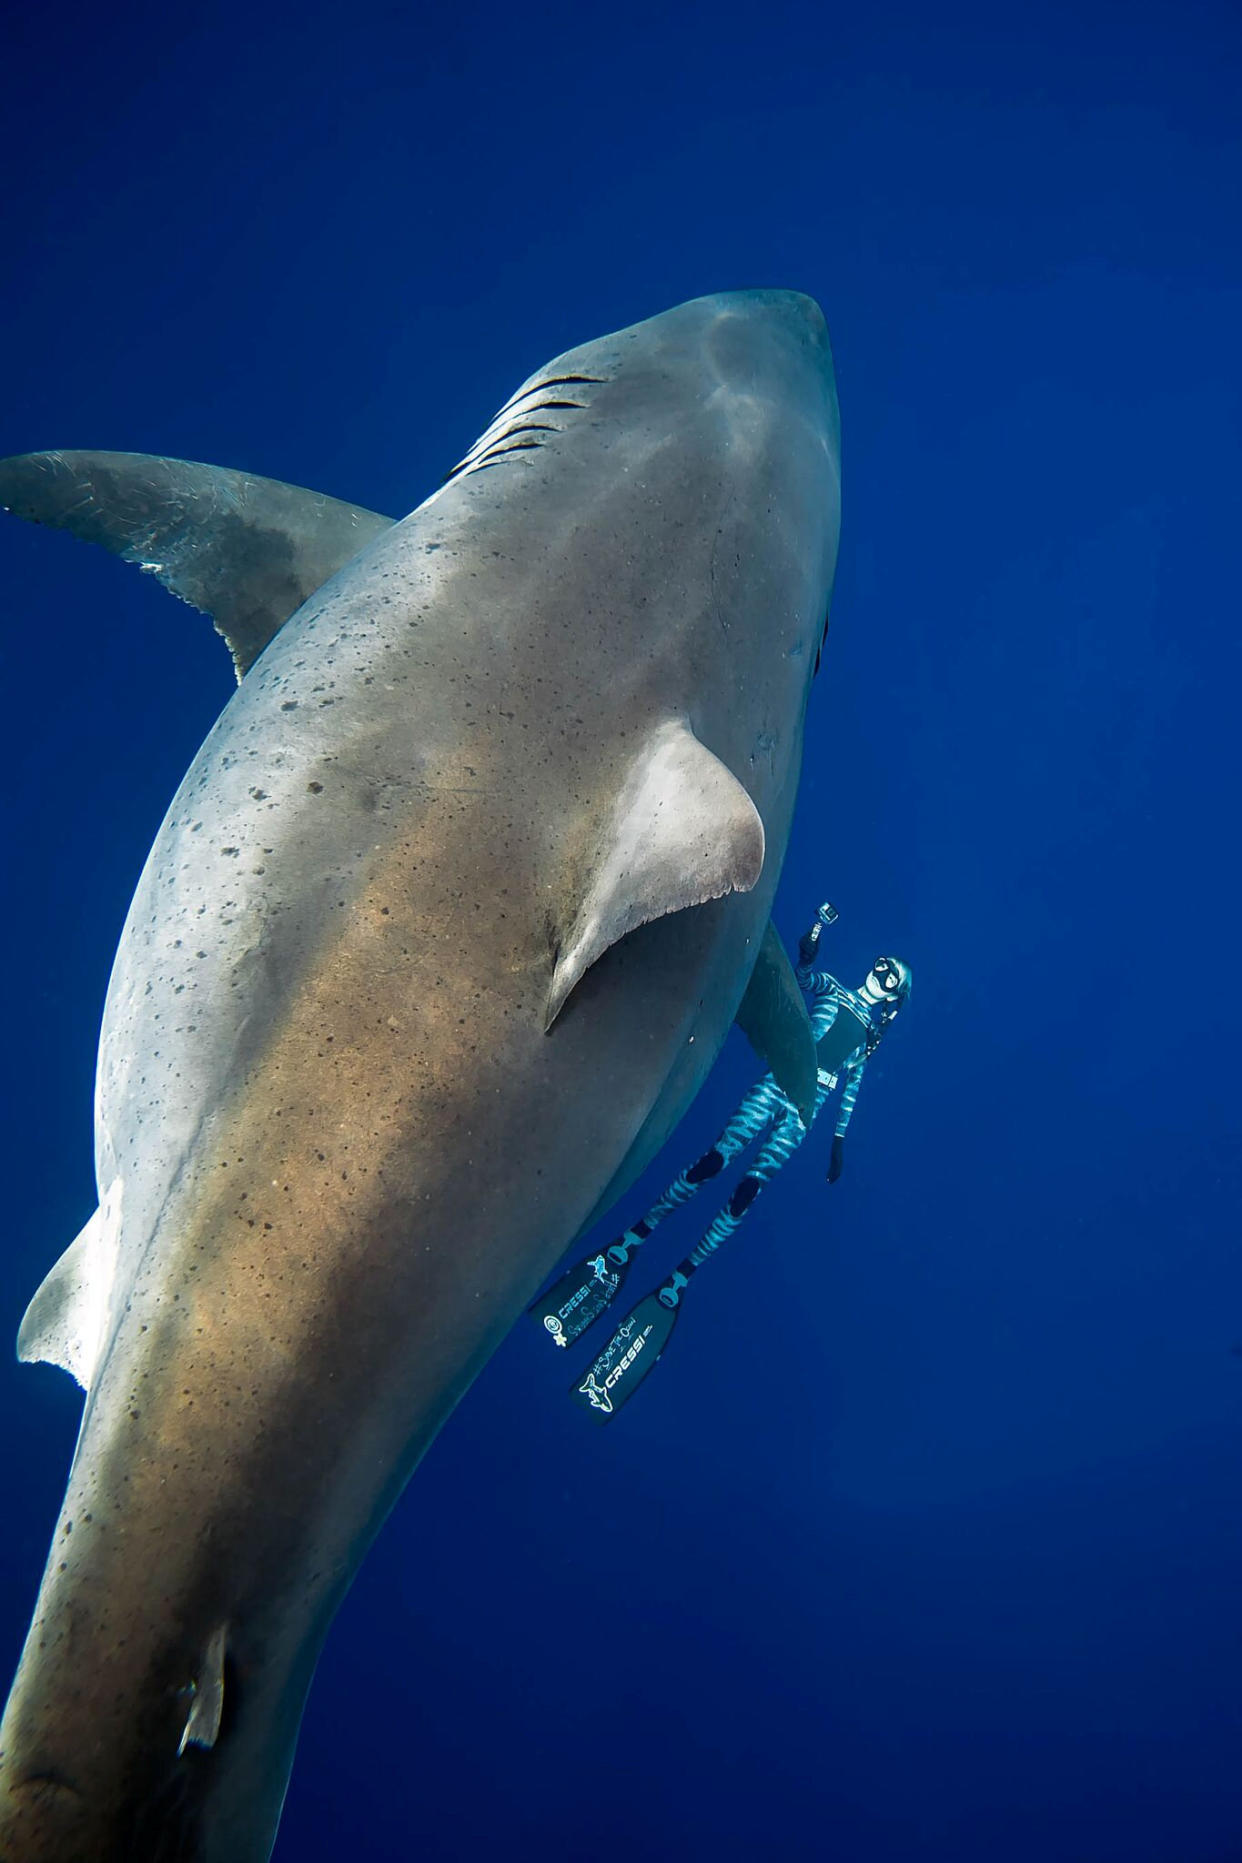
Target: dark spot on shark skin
[[316, 789]]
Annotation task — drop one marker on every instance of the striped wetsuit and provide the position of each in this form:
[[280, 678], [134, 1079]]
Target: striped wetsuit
[[766, 1109]]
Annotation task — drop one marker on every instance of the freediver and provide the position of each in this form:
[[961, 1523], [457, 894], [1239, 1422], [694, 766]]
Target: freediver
[[847, 1026]]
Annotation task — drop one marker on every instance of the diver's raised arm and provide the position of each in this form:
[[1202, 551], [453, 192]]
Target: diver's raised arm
[[808, 944]]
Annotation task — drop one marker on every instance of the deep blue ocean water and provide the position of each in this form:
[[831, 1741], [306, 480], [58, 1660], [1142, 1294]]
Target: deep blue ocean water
[[924, 1540]]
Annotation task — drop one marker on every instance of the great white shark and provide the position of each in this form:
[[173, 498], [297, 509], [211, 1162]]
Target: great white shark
[[440, 936]]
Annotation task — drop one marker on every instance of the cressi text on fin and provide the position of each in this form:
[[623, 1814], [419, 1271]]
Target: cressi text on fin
[[627, 1358], [576, 1301]]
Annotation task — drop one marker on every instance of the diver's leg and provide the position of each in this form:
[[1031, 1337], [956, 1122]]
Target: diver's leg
[[576, 1301], [755, 1112], [784, 1141], [636, 1345]]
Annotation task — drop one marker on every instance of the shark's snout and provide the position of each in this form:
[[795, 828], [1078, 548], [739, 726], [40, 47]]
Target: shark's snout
[[792, 309], [784, 314], [773, 344]]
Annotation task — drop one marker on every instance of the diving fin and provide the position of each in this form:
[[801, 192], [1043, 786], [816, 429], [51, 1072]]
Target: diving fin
[[630, 1354], [579, 1297]]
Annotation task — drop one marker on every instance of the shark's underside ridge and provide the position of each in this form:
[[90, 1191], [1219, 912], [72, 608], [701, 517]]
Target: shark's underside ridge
[[502, 796]]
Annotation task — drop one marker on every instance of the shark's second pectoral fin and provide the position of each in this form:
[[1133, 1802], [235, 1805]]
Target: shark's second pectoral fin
[[773, 1017], [67, 1321], [682, 830], [247, 551]]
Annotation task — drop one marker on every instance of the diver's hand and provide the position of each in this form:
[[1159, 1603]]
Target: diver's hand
[[809, 942], [836, 1164]]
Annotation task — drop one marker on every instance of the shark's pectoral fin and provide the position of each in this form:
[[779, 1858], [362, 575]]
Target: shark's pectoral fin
[[681, 831], [774, 1019], [66, 1322], [247, 551]]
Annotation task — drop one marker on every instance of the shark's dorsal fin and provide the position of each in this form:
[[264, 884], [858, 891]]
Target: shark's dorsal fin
[[247, 551], [774, 1019], [682, 830], [67, 1321]]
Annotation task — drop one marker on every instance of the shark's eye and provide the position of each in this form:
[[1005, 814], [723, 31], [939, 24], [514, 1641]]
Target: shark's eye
[[819, 651]]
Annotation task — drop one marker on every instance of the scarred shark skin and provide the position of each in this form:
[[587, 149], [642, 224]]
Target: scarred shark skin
[[338, 1145]]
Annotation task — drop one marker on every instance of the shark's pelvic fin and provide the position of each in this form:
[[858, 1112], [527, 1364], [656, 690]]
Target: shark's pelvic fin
[[682, 830], [66, 1322], [774, 1019], [247, 551], [202, 1726]]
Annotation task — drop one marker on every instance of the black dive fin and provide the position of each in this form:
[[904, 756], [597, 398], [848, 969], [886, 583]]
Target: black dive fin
[[774, 1019], [628, 1356], [579, 1297], [247, 551]]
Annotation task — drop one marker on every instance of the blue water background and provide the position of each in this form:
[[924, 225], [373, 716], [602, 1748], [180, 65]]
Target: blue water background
[[924, 1541]]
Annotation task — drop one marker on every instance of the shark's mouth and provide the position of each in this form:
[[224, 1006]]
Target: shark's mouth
[[515, 432]]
